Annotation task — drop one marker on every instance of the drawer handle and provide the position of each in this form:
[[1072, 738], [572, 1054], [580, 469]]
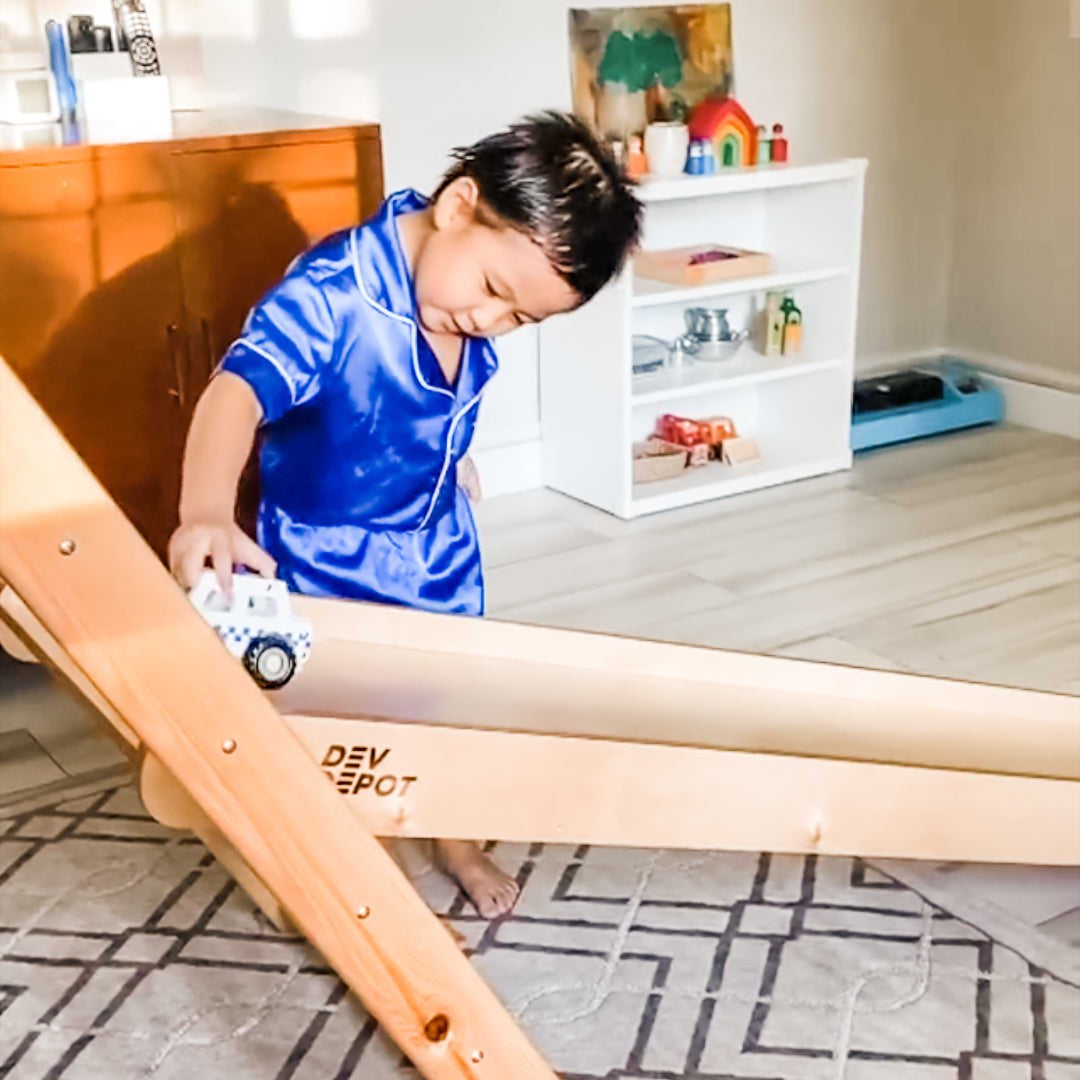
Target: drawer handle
[[178, 390], [209, 349]]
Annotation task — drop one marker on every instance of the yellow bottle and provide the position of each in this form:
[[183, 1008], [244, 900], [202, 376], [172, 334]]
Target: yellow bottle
[[792, 327]]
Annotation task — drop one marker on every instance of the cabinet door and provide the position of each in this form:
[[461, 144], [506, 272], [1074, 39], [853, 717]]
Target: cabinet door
[[245, 209], [99, 340]]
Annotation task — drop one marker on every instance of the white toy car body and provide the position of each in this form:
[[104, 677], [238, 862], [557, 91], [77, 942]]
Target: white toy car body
[[257, 626]]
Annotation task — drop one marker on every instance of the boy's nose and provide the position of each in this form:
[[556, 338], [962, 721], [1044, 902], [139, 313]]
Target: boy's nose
[[485, 316]]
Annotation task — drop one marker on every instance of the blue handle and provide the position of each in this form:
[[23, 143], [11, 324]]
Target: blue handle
[[58, 61]]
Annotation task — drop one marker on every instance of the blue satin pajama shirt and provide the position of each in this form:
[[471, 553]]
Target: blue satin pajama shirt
[[361, 431]]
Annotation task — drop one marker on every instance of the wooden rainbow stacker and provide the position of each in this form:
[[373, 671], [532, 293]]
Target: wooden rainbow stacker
[[409, 724]]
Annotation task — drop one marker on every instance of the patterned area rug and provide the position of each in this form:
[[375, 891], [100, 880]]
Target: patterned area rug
[[128, 952]]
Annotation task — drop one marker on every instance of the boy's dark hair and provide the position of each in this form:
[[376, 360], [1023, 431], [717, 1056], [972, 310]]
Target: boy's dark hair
[[550, 177]]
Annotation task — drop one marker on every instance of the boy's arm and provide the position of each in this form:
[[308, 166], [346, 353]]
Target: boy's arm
[[218, 444]]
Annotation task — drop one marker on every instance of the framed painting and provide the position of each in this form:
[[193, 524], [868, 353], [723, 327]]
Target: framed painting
[[632, 66]]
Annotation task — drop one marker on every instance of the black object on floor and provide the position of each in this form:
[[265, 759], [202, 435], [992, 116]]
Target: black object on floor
[[896, 391]]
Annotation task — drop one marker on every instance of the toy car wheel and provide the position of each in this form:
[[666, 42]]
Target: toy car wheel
[[270, 661]]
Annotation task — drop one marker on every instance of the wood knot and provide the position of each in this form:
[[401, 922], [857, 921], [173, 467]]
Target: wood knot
[[437, 1028]]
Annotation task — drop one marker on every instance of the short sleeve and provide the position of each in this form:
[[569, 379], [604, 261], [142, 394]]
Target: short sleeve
[[286, 344]]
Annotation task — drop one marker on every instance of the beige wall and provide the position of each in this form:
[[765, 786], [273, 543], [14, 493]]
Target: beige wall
[[1014, 282]]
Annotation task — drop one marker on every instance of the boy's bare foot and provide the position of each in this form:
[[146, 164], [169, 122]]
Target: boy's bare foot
[[492, 892]]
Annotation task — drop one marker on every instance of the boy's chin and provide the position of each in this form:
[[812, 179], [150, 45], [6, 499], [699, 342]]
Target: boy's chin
[[438, 322]]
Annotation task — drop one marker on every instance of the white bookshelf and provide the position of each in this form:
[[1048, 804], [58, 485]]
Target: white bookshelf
[[593, 409]]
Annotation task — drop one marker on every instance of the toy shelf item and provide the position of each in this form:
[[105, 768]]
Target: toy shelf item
[[655, 459], [797, 407], [701, 264], [935, 398]]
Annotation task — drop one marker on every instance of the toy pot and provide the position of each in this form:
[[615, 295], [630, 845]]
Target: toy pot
[[666, 143], [709, 336]]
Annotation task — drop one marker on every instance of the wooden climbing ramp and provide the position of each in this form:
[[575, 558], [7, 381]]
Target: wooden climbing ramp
[[410, 724]]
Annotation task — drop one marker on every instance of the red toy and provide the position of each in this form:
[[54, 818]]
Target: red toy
[[703, 438], [678, 430], [779, 145]]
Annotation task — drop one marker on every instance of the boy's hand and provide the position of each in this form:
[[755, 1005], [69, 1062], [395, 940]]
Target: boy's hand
[[468, 479], [224, 543]]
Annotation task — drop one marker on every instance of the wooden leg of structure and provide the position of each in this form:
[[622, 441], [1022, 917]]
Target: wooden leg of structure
[[167, 801], [100, 593]]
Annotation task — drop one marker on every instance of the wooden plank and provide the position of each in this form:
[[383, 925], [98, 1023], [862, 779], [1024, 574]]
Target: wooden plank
[[98, 590], [424, 780], [384, 662]]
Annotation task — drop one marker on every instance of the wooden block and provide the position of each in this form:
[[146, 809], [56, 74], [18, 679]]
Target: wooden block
[[701, 264], [656, 459], [741, 451]]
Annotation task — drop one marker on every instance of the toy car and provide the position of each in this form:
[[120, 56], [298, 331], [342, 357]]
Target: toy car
[[257, 626]]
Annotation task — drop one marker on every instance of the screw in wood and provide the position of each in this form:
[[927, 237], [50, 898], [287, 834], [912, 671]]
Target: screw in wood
[[437, 1028], [363, 911], [228, 746], [68, 546]]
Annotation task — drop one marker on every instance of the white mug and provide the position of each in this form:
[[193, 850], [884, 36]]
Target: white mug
[[666, 144]]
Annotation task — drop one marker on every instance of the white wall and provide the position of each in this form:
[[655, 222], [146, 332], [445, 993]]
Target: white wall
[[1014, 298]]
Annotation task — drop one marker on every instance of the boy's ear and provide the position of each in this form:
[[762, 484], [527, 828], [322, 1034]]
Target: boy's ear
[[457, 203]]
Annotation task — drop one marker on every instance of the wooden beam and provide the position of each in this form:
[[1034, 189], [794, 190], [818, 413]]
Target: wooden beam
[[99, 592], [385, 662], [423, 780]]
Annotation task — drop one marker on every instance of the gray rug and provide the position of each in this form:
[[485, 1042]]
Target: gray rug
[[127, 952]]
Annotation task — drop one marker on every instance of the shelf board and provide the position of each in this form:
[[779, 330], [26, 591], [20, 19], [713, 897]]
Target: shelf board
[[760, 178], [648, 293], [715, 480], [745, 367]]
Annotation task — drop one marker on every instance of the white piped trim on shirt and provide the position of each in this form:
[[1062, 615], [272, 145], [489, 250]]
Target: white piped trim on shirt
[[411, 323], [289, 381], [446, 458]]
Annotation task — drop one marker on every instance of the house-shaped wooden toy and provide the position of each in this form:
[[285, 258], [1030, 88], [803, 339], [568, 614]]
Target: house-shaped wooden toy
[[725, 123]]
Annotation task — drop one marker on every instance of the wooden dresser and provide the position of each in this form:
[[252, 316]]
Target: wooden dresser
[[127, 269]]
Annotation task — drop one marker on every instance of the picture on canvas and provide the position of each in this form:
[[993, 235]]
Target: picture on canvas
[[633, 66]]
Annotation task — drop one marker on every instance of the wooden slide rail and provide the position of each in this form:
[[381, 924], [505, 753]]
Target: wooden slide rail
[[439, 726], [79, 566]]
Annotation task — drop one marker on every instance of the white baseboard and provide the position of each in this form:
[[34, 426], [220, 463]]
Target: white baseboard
[[1044, 408], [1036, 396]]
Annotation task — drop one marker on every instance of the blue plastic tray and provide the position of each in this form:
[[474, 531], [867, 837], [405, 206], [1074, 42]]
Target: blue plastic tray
[[980, 402]]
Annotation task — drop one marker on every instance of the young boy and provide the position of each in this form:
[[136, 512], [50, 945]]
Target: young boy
[[364, 367]]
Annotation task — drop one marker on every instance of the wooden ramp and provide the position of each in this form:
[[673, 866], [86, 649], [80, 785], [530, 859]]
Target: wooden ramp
[[405, 723]]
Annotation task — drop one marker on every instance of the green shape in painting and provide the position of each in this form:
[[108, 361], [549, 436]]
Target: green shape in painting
[[661, 58], [640, 61]]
